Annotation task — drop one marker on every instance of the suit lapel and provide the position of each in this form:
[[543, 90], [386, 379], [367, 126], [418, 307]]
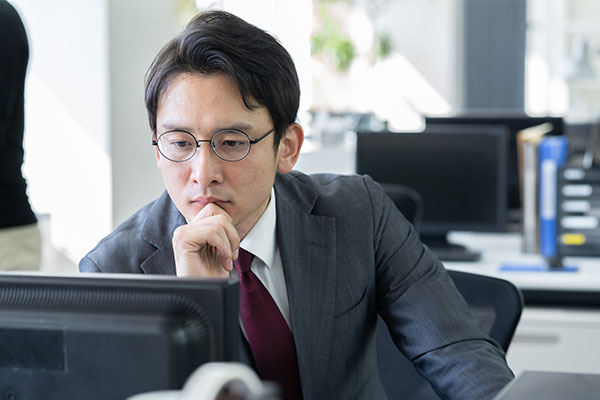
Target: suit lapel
[[158, 230], [307, 246]]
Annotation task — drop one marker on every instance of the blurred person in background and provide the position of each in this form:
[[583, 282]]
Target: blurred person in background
[[20, 242]]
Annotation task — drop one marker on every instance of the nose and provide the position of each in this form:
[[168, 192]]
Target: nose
[[206, 166]]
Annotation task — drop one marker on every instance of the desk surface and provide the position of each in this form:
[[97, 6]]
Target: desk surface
[[534, 385], [504, 248]]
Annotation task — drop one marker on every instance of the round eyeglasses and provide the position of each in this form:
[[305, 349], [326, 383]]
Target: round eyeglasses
[[227, 144]]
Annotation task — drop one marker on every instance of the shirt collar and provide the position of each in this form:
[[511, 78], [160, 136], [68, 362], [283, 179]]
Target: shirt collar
[[261, 240]]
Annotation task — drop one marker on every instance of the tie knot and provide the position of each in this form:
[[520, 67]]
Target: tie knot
[[242, 264]]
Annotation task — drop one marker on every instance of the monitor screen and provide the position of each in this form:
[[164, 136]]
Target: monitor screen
[[459, 172], [514, 123], [110, 336]]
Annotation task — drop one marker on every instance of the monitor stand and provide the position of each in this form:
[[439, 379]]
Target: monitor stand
[[447, 251]]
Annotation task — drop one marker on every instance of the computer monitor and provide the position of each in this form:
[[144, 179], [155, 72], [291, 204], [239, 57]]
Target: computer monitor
[[514, 122], [109, 336], [459, 172]]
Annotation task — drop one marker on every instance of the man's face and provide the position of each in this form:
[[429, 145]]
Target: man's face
[[202, 105]]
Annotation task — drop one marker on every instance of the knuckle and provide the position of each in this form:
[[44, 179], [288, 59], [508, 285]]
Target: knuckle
[[179, 233], [222, 218]]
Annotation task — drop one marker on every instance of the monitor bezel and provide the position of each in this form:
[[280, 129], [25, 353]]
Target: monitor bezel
[[441, 228]]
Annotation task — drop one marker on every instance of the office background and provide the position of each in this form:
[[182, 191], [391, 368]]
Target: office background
[[89, 162]]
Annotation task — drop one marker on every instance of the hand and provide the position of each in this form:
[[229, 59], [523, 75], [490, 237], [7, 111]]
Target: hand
[[207, 246]]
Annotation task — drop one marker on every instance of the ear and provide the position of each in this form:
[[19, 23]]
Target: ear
[[289, 148], [156, 153]]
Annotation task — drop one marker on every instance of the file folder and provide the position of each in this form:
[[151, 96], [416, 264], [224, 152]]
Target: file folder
[[552, 155]]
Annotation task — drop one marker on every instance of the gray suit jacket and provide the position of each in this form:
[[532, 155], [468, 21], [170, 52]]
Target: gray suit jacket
[[347, 255]]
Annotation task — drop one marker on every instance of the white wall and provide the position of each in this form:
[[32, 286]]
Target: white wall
[[89, 161], [428, 35], [67, 160], [138, 29]]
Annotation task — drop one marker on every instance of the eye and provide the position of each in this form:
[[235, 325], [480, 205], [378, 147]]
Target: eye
[[232, 143], [230, 140], [177, 140], [180, 144]]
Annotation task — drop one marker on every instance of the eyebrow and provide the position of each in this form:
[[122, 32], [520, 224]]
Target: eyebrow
[[170, 126]]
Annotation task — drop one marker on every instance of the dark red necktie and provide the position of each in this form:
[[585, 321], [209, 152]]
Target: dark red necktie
[[269, 335]]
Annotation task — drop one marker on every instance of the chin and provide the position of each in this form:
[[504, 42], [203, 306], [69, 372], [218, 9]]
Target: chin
[[190, 212]]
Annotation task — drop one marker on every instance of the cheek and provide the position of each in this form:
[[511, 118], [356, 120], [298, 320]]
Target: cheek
[[252, 181], [262, 177], [174, 175]]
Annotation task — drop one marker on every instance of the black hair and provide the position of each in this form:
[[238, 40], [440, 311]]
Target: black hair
[[219, 42]]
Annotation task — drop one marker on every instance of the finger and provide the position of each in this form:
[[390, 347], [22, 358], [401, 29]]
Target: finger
[[234, 239], [228, 249], [210, 210], [219, 238], [198, 237], [191, 264], [224, 253], [213, 214]]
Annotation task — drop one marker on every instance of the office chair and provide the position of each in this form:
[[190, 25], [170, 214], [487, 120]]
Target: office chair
[[494, 302], [408, 201]]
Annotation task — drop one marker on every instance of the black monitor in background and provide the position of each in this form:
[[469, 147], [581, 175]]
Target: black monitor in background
[[579, 137], [515, 123], [584, 144], [110, 336], [459, 173]]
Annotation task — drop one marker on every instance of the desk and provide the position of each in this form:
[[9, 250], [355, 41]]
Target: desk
[[499, 249], [536, 385]]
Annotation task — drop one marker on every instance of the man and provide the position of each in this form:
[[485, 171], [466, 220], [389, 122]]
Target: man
[[332, 251]]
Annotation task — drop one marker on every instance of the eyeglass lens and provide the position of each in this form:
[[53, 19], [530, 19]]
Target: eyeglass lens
[[181, 146]]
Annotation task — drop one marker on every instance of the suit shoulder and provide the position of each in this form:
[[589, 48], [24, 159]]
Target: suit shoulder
[[124, 248], [331, 194], [128, 229], [356, 187]]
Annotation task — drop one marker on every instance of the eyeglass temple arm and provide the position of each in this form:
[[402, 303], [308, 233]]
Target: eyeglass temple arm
[[262, 137]]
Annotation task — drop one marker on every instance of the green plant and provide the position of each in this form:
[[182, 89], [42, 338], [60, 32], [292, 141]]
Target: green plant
[[331, 42], [383, 46]]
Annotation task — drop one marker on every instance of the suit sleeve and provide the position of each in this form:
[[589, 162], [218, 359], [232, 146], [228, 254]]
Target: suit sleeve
[[88, 265], [427, 317]]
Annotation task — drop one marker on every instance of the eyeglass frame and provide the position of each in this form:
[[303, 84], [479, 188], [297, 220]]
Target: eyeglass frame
[[212, 146]]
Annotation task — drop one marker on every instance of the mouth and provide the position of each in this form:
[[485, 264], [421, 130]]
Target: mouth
[[203, 201]]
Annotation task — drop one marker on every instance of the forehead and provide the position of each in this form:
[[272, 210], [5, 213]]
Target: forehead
[[200, 89], [205, 100]]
